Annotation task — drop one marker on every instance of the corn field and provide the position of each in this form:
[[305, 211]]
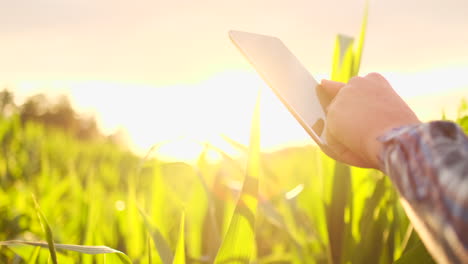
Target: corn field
[[69, 201]]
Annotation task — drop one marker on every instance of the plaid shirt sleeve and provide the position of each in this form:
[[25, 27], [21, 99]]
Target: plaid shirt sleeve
[[428, 164]]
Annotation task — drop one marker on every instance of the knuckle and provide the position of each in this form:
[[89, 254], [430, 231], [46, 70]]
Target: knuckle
[[331, 108], [355, 80], [332, 112], [374, 75]]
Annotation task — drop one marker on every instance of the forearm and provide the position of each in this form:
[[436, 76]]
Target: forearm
[[428, 164]]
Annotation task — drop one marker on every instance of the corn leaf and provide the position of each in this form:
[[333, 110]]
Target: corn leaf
[[337, 227], [162, 246], [346, 63], [47, 231], [30, 254], [238, 245], [360, 43], [150, 255], [210, 218], [34, 256], [342, 67], [179, 257], [417, 254], [371, 205]]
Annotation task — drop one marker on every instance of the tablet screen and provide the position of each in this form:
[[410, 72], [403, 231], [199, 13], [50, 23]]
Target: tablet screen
[[288, 78]]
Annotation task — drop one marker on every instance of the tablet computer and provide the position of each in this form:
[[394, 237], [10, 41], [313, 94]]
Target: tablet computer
[[287, 77]]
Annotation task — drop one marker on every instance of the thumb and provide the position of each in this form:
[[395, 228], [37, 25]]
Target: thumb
[[331, 88]]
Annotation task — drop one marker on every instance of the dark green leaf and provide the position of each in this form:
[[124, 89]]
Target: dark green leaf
[[417, 254], [47, 231]]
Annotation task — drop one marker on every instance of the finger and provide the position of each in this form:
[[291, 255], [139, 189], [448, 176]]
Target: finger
[[327, 91], [323, 97], [331, 88], [375, 77]]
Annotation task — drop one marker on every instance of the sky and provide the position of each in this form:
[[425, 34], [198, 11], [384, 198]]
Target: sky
[[166, 69]]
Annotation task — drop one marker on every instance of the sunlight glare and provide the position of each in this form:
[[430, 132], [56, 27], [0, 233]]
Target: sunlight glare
[[185, 117]]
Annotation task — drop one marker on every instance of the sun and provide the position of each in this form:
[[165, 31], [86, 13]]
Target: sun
[[178, 118], [181, 118]]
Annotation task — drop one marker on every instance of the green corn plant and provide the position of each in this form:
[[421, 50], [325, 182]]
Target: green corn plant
[[16, 245], [309, 209], [30, 250], [346, 63], [179, 256], [164, 250], [462, 115], [356, 224], [238, 245], [47, 231]]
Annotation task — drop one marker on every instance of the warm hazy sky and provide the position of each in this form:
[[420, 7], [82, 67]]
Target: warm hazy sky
[[173, 41], [117, 55]]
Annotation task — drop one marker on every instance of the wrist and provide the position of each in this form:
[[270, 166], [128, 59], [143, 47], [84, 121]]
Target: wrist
[[373, 150], [375, 145]]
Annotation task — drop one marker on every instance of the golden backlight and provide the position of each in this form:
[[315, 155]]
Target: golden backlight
[[183, 117]]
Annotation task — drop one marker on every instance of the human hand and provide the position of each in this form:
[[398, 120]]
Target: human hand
[[357, 114]]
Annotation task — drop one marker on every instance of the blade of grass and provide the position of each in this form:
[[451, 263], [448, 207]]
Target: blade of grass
[[373, 241], [179, 257], [135, 235], [235, 144], [33, 258], [336, 210], [239, 243], [29, 254], [215, 236], [47, 231], [339, 230], [150, 256], [342, 58], [91, 250], [35, 254], [360, 43], [224, 155], [371, 205], [346, 63], [417, 254], [162, 246], [406, 239], [276, 218], [374, 227]]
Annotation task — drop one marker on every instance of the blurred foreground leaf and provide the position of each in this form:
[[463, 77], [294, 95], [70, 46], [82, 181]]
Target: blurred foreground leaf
[[360, 44], [341, 197], [162, 246], [179, 257], [239, 243], [417, 254]]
